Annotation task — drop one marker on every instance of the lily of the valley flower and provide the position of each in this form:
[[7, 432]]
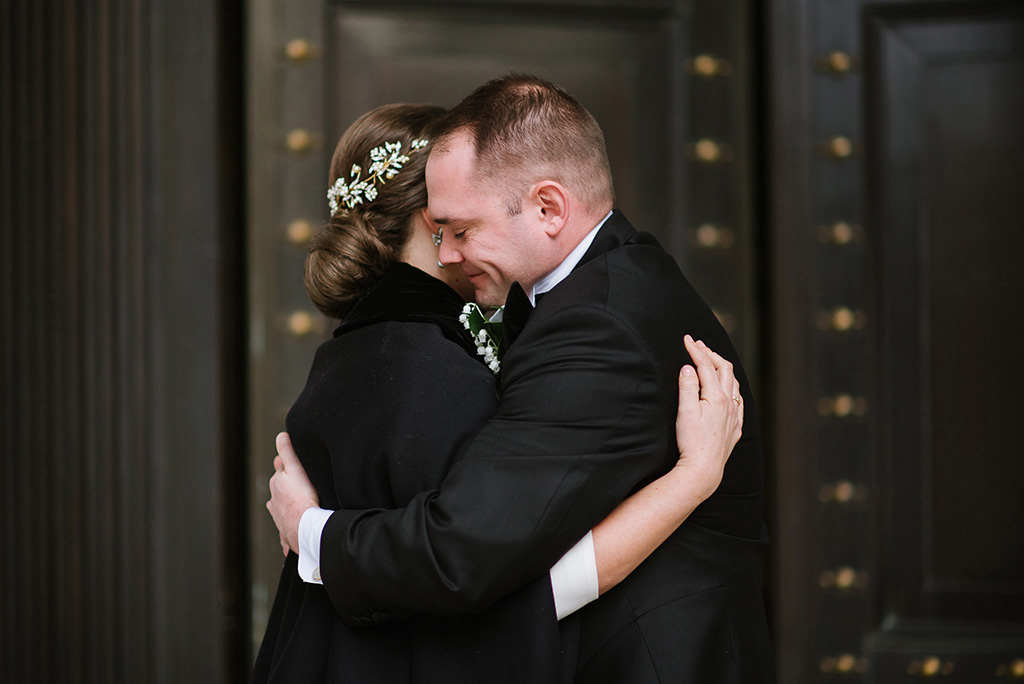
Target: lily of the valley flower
[[486, 334]]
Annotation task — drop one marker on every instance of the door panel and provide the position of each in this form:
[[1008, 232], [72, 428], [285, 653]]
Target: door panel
[[614, 65], [948, 102]]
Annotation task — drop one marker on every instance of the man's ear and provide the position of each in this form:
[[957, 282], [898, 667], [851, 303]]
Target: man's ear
[[551, 204]]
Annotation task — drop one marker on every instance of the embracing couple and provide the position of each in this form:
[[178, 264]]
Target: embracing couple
[[548, 500]]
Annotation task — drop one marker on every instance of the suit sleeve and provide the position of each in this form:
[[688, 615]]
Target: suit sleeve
[[581, 422]]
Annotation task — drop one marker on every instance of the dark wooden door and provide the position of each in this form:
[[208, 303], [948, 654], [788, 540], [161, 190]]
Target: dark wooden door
[[668, 80], [897, 210]]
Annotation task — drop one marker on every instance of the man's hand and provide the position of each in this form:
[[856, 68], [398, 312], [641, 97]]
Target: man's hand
[[291, 494], [709, 420]]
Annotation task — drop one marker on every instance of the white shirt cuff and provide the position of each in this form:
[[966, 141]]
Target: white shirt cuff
[[311, 528], [574, 578]]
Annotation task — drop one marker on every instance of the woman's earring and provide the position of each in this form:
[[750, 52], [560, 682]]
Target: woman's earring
[[437, 243]]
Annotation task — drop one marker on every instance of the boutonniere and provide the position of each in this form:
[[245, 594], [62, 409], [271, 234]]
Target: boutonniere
[[486, 333]]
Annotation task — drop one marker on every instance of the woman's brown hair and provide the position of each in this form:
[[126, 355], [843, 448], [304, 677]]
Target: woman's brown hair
[[359, 243]]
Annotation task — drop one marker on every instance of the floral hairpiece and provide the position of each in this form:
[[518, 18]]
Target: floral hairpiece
[[387, 161]]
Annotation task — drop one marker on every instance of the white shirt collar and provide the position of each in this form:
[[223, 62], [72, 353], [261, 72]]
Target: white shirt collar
[[549, 281]]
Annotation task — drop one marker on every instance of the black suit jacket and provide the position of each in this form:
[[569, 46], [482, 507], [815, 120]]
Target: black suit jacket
[[389, 404], [586, 416]]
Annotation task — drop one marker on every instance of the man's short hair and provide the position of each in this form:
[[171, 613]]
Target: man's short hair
[[527, 129]]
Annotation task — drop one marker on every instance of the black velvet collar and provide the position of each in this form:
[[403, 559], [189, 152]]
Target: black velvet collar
[[407, 294]]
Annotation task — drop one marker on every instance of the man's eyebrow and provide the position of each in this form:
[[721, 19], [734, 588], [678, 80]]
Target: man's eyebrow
[[454, 223]]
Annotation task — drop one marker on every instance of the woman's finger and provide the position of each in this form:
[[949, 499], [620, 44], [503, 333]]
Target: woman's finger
[[705, 368], [722, 366]]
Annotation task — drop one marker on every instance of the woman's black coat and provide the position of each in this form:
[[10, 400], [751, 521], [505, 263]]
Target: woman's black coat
[[389, 400]]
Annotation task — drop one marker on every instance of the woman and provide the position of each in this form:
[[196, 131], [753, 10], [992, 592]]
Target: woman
[[400, 378]]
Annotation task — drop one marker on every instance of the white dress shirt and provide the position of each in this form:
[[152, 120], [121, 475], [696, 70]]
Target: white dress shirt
[[574, 576]]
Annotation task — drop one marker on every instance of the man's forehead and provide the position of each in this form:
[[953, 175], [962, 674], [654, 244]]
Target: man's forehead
[[457, 150], [452, 190], [444, 207]]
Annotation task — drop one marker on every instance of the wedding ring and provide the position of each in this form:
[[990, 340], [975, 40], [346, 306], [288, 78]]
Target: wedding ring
[[737, 400]]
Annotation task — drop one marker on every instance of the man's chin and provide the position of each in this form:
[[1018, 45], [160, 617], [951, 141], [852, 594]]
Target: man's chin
[[487, 298], [488, 304]]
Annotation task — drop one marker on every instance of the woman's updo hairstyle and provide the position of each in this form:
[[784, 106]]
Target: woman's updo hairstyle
[[359, 243]]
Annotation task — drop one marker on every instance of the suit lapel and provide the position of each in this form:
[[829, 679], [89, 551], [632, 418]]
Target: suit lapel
[[517, 311]]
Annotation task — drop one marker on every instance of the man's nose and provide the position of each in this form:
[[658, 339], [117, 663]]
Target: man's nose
[[448, 254]]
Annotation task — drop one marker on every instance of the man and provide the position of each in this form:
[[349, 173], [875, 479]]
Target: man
[[520, 186]]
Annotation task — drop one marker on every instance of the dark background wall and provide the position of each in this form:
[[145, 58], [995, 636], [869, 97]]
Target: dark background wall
[[842, 180], [123, 342]]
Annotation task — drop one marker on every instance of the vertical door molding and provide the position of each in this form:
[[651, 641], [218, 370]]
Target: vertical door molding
[[121, 308]]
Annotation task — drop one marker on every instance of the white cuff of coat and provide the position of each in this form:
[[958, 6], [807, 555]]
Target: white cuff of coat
[[574, 578], [311, 528]]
